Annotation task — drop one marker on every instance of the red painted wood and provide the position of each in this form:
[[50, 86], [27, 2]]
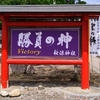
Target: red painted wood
[[46, 14], [38, 24], [1, 17], [51, 15], [43, 61], [43, 14], [4, 67], [85, 58]]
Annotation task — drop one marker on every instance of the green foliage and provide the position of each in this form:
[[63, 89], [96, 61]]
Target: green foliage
[[81, 2], [25, 2], [71, 1], [60, 2], [9, 2], [35, 2]]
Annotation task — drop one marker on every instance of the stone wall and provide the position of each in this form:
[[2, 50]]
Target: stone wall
[[43, 69]]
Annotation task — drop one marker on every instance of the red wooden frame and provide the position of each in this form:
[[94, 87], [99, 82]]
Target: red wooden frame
[[4, 67], [85, 58], [84, 61], [41, 24], [41, 61]]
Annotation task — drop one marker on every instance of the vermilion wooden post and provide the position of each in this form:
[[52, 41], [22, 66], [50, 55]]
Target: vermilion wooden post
[[85, 64], [4, 65]]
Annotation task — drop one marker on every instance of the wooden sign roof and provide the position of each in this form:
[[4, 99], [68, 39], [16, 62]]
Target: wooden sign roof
[[50, 8]]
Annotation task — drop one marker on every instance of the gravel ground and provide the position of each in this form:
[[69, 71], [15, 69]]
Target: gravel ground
[[59, 85], [53, 92]]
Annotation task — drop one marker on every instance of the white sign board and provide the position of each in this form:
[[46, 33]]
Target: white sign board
[[94, 28]]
